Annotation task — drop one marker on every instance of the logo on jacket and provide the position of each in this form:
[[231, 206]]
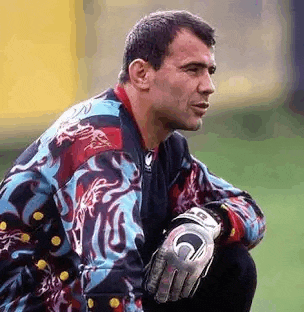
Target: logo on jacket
[[149, 160]]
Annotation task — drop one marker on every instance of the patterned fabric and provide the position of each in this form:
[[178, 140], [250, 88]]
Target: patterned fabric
[[84, 207], [199, 187]]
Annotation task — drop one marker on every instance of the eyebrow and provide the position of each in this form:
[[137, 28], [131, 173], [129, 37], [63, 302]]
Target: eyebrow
[[199, 64]]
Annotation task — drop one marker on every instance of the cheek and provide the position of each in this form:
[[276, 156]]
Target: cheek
[[183, 87], [168, 91], [179, 91], [174, 89]]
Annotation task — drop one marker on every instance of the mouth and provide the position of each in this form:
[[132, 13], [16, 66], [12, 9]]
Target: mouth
[[200, 108]]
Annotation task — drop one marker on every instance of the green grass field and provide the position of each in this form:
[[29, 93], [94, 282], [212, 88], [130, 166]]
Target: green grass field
[[268, 163], [261, 151]]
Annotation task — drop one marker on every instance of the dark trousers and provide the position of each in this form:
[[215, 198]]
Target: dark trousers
[[228, 287]]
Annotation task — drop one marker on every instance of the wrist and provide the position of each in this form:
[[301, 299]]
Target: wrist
[[205, 217], [219, 210]]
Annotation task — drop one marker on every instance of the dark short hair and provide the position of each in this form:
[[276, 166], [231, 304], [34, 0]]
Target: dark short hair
[[150, 37]]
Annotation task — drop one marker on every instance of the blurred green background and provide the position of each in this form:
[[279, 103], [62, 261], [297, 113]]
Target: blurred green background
[[261, 151], [56, 53]]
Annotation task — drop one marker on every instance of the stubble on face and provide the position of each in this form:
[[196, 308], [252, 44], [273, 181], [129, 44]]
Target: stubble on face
[[182, 86]]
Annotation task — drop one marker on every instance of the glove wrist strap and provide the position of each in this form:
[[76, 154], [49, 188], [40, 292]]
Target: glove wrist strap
[[203, 217]]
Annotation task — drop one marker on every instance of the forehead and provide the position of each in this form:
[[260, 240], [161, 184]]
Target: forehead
[[188, 47]]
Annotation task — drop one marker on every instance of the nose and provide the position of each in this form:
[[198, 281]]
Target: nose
[[205, 86]]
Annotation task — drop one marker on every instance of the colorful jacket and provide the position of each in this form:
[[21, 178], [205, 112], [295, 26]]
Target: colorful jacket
[[85, 206]]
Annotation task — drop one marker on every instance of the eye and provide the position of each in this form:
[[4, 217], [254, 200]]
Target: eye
[[212, 70], [193, 70]]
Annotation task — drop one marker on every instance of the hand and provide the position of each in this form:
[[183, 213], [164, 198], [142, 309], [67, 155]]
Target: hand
[[176, 268]]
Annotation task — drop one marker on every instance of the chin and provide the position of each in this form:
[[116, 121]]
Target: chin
[[188, 127], [194, 126]]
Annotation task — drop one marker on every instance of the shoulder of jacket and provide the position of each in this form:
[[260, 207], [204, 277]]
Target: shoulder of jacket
[[85, 118], [102, 105], [84, 130]]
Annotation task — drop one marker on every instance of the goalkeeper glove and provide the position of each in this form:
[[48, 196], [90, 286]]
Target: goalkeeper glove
[[177, 266]]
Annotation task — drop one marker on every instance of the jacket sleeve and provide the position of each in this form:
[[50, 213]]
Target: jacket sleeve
[[70, 227], [24, 198], [67, 247], [100, 211], [243, 220]]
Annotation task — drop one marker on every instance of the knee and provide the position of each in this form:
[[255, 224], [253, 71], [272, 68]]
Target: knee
[[235, 263], [230, 283]]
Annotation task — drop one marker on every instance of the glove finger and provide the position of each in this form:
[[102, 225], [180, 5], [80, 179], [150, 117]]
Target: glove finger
[[192, 281], [156, 271], [163, 292], [194, 289], [177, 285], [207, 267], [189, 284]]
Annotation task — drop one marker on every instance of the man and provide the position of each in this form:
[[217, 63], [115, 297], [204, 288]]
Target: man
[[108, 211]]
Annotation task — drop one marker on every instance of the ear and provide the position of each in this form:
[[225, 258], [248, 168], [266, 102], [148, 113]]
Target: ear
[[140, 74]]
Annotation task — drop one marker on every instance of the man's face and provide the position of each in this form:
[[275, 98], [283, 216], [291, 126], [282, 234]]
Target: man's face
[[181, 87]]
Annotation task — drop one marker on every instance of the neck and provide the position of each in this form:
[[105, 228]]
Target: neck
[[152, 130]]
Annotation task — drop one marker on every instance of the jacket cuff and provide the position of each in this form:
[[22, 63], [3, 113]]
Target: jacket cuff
[[232, 229], [236, 231]]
